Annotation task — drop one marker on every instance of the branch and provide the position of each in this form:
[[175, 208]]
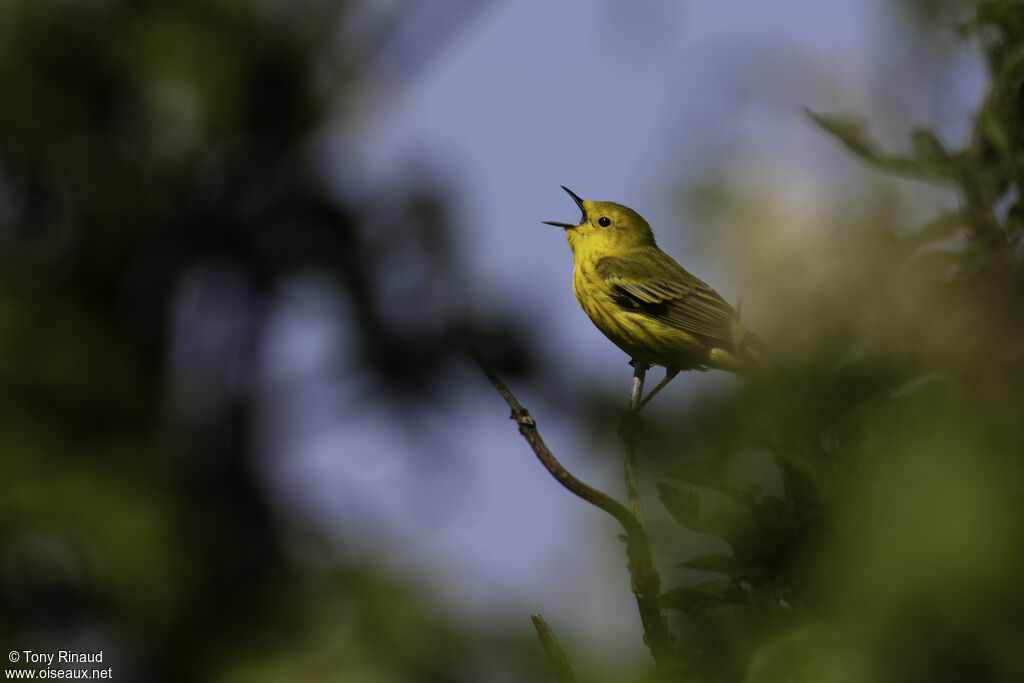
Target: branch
[[645, 582], [563, 672], [528, 428], [628, 432]]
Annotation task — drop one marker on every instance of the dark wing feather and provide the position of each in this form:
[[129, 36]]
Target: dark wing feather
[[660, 288]]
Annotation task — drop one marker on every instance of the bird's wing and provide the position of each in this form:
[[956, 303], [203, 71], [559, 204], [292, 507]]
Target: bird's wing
[[658, 287]]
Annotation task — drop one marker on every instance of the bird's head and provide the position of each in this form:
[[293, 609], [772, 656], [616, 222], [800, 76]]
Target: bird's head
[[605, 227]]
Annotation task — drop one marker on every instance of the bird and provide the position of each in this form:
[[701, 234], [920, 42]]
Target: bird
[[643, 301]]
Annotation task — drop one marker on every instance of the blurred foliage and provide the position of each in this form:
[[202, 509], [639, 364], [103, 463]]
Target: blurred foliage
[[890, 545], [159, 184]]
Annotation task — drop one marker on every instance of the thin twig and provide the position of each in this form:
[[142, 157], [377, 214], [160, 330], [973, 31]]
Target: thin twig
[[631, 425], [628, 432], [636, 391], [528, 428], [556, 657], [644, 580]]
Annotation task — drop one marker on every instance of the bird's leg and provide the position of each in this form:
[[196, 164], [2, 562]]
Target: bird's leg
[[669, 376]]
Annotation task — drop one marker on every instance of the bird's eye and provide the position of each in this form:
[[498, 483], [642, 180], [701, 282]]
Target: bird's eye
[[604, 221]]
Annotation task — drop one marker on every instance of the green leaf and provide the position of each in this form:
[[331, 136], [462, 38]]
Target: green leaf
[[717, 562], [851, 132], [849, 129], [799, 477], [994, 130], [711, 472], [741, 530], [927, 146], [931, 154], [707, 472], [706, 596], [684, 506]]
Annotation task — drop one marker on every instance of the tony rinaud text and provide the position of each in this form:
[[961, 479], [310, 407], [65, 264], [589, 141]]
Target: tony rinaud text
[[62, 657]]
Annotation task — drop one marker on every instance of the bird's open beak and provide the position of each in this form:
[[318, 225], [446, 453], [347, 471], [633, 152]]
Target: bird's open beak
[[579, 203]]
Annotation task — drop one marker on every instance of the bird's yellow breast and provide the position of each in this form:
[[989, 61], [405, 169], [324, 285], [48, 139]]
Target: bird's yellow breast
[[643, 338]]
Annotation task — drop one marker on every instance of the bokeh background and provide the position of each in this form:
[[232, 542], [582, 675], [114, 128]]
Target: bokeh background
[[245, 246]]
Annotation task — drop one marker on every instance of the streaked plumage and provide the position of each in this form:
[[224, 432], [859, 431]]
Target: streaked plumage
[[642, 300]]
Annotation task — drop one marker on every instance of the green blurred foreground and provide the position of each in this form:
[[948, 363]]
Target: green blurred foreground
[[893, 548], [157, 192]]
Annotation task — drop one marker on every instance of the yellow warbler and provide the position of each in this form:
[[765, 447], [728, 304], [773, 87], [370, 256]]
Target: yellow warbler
[[646, 303]]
